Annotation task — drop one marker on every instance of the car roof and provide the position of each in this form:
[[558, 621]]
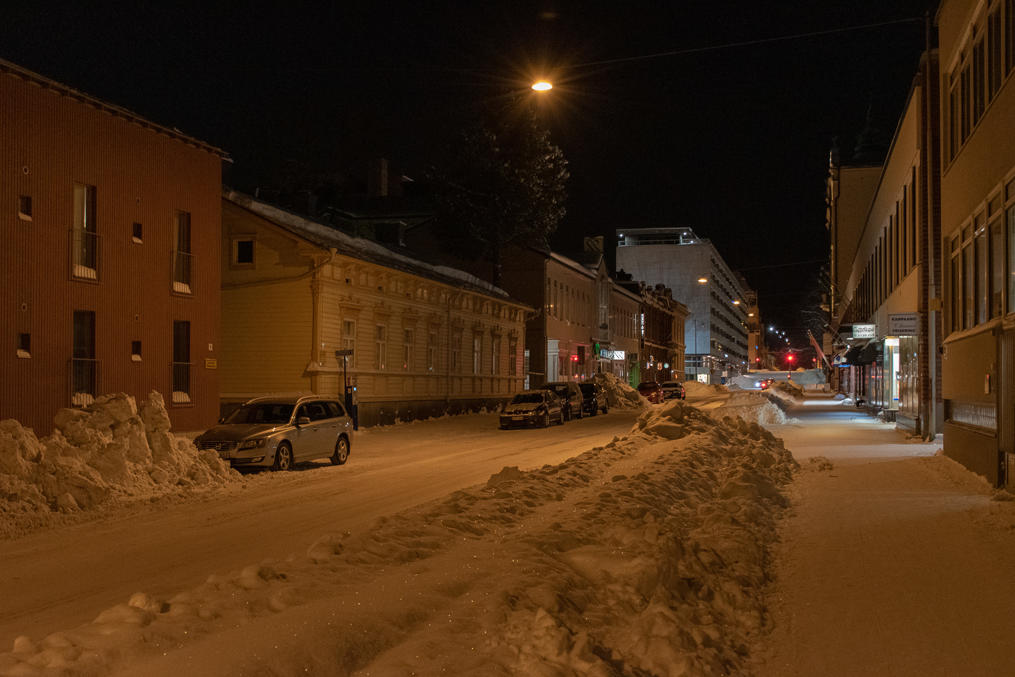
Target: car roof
[[288, 398]]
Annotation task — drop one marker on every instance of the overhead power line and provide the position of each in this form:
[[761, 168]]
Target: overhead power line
[[748, 43]]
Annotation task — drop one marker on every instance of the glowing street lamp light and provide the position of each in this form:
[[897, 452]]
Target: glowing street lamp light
[[542, 86], [736, 302], [702, 280]]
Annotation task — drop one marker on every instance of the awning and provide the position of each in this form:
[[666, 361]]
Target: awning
[[852, 354], [872, 352]]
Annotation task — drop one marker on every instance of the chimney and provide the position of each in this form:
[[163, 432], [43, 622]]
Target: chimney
[[377, 178]]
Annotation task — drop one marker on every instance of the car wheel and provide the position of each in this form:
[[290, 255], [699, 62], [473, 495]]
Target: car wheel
[[283, 457], [560, 419], [580, 412], [546, 420], [606, 409], [595, 410], [341, 454]]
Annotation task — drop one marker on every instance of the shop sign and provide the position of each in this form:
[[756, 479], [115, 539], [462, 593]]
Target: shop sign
[[612, 354], [903, 324], [864, 331]]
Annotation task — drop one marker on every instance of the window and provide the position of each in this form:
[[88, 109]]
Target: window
[[996, 268], [477, 353], [25, 207], [84, 239], [136, 233], [968, 278], [182, 263], [380, 347], [1009, 30], [912, 216], [993, 53], [456, 350], [349, 341], [495, 356], [408, 339], [955, 276], [243, 252], [24, 349], [979, 80], [181, 362], [1011, 259], [135, 351], [512, 357], [982, 275], [431, 351], [84, 367]]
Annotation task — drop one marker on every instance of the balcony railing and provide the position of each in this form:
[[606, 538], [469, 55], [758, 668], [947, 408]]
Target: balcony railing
[[82, 381], [183, 265], [84, 254], [181, 382]]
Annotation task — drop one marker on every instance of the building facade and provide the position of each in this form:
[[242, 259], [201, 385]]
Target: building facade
[[622, 356], [422, 340], [715, 332], [109, 272], [890, 362], [977, 96]]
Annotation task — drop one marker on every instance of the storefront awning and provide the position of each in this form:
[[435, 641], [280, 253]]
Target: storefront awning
[[870, 353]]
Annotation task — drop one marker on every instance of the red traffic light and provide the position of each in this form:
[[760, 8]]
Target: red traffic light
[[791, 357]]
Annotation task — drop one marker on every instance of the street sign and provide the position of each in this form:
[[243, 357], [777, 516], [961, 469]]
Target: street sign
[[865, 331], [903, 324]]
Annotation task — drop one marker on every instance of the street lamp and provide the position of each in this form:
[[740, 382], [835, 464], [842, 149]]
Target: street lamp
[[702, 280], [542, 86]]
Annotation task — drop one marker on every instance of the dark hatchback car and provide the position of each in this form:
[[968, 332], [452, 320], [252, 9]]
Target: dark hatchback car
[[593, 398], [674, 390], [651, 391], [570, 397], [532, 408]]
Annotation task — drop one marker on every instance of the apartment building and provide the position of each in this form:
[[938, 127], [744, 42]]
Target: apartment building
[[109, 271], [977, 97]]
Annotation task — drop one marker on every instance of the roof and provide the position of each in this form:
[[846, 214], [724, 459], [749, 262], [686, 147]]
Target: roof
[[25, 74], [362, 248]]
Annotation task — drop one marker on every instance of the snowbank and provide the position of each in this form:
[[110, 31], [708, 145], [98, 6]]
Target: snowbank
[[697, 390], [619, 394], [750, 406], [646, 556], [107, 451]]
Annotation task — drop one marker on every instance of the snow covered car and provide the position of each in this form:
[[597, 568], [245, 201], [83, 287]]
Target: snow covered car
[[570, 397], [281, 431], [532, 408], [593, 398], [673, 390]]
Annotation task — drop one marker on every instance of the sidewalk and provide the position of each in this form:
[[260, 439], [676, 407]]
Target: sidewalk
[[895, 561]]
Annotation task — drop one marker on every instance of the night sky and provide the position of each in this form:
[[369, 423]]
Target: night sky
[[732, 142]]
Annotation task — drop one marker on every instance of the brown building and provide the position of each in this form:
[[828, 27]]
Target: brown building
[[109, 267], [977, 96]]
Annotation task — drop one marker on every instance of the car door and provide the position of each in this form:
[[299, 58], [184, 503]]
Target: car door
[[306, 439]]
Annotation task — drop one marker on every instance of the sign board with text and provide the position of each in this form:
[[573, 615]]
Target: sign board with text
[[865, 331], [903, 324]]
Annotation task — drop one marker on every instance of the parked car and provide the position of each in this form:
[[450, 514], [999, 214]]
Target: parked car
[[651, 391], [281, 431], [570, 397], [673, 390], [593, 398], [532, 408]]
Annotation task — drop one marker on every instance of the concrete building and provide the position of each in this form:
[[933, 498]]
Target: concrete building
[[109, 269], [425, 339], [882, 297], [716, 329], [977, 86]]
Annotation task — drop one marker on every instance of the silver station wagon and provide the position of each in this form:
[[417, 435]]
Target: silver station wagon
[[280, 431]]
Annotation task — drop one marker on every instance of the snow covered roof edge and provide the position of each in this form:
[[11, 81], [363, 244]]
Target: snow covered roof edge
[[362, 248]]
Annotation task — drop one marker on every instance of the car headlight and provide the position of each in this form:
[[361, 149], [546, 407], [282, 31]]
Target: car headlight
[[252, 444]]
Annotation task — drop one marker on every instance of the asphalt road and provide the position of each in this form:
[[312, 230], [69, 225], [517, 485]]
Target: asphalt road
[[62, 577]]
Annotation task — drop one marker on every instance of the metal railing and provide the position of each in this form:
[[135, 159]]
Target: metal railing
[[84, 254], [82, 381]]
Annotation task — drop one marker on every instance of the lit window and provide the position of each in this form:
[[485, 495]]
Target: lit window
[[85, 243], [381, 345], [136, 233], [182, 257], [135, 351]]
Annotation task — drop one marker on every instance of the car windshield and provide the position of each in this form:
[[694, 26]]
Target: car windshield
[[587, 388], [527, 398], [560, 390], [671, 384], [262, 412]]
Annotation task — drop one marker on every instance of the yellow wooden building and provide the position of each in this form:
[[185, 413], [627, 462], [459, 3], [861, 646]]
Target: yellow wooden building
[[425, 339]]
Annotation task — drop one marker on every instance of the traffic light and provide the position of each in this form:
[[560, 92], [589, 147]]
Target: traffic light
[[791, 358]]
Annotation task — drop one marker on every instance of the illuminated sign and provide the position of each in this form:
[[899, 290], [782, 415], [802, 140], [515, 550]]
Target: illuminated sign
[[864, 331], [613, 354], [903, 324]]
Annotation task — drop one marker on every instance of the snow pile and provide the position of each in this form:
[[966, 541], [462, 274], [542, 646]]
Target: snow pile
[[619, 394], [750, 406], [646, 556], [105, 451], [697, 390]]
